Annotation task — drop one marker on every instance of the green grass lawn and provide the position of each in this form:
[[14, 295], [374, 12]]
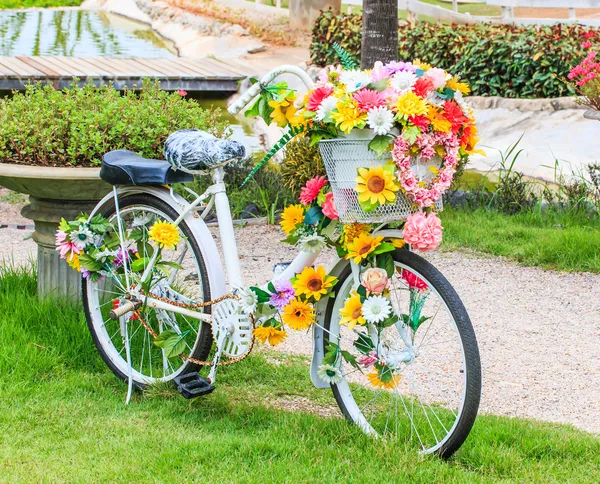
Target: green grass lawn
[[62, 418], [550, 240]]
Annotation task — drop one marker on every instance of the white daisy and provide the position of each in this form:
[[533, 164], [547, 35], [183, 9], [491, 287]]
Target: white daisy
[[327, 105], [248, 300], [402, 81], [330, 374], [460, 100], [380, 120], [141, 220], [311, 243], [355, 80], [376, 309], [81, 237]]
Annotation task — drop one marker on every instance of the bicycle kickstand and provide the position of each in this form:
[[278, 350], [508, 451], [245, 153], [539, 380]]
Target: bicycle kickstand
[[221, 336]]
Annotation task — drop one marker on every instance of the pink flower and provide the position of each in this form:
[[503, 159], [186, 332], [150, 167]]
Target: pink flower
[[328, 207], [311, 191], [423, 231], [284, 293], [374, 280], [369, 359], [378, 73], [316, 97], [437, 76], [368, 99], [181, 92], [586, 45], [414, 281], [66, 248]]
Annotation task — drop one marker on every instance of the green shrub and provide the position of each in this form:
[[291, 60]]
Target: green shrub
[[77, 125], [301, 162], [497, 60]]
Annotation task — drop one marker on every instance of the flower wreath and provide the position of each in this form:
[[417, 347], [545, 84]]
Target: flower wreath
[[445, 145]]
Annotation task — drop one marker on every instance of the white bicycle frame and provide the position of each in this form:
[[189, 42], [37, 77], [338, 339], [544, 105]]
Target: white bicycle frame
[[217, 197]]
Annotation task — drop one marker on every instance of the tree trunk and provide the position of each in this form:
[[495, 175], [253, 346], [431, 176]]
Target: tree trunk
[[379, 32]]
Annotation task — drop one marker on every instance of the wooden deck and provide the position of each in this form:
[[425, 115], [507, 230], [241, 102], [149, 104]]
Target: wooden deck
[[174, 73]]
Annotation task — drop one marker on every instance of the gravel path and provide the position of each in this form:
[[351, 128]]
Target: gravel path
[[538, 331]]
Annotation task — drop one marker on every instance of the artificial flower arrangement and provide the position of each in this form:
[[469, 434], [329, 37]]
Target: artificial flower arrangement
[[586, 75], [312, 225]]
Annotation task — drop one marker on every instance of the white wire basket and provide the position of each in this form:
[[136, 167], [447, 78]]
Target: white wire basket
[[342, 158]]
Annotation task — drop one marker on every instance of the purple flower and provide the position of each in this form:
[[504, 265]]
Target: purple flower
[[392, 67], [284, 293], [86, 274], [118, 260]]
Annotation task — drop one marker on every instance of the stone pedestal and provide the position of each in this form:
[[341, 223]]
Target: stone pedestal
[[54, 193], [303, 13], [55, 277]]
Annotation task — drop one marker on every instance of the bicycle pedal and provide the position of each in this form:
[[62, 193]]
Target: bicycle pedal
[[192, 385]]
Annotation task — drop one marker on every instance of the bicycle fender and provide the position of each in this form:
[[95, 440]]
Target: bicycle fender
[[318, 332], [206, 243]]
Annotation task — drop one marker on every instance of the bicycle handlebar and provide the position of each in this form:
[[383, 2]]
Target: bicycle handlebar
[[254, 90]]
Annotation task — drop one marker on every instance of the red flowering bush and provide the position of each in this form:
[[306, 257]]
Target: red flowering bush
[[586, 76]]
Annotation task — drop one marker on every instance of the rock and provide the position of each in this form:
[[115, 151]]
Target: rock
[[256, 49], [238, 30], [250, 211]]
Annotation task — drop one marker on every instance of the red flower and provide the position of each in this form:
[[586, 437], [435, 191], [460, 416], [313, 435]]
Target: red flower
[[419, 121], [311, 191], [414, 281], [328, 207], [181, 92], [316, 97], [586, 45], [589, 35], [455, 115], [423, 86]]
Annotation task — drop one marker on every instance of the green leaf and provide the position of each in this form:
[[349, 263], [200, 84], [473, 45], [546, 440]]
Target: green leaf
[[140, 264], [253, 111], [380, 85], [313, 215], [331, 354], [64, 225], [362, 292], [363, 343], [271, 287], [411, 133], [385, 373], [264, 110], [291, 239], [381, 143], [390, 321], [172, 343], [89, 263], [386, 261], [384, 247], [350, 358], [263, 296]]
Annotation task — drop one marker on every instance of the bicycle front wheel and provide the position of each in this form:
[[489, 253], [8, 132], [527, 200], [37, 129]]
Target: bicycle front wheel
[[434, 402], [184, 279]]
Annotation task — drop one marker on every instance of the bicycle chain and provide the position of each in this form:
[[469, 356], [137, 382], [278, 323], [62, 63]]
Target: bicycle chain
[[148, 328]]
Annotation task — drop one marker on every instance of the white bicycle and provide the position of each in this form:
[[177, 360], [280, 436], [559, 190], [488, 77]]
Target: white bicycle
[[434, 406]]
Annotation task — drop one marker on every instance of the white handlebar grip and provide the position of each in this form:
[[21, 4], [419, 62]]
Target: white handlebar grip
[[124, 309], [245, 99]]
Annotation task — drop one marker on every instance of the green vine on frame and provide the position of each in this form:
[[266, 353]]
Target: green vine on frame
[[285, 139]]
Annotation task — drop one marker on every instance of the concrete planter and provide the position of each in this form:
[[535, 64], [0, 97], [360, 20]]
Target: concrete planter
[[592, 115], [54, 193]]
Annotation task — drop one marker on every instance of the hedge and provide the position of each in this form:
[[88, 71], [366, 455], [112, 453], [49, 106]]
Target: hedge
[[497, 60]]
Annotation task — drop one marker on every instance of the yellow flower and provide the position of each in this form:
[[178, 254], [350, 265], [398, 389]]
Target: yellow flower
[[456, 85], [362, 246], [438, 121], [352, 231], [398, 243], [298, 314], [376, 185], [352, 312], [376, 382], [165, 234], [469, 140], [409, 104], [284, 112], [422, 65], [292, 216], [347, 116], [73, 261], [273, 335], [313, 282]]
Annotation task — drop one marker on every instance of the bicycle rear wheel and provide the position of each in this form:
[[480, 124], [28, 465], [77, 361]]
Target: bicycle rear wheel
[[435, 401], [186, 280]]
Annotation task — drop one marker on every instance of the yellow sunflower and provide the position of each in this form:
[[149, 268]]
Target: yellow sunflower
[[292, 216], [352, 231], [165, 234], [268, 333], [398, 243], [456, 85], [376, 185], [352, 312], [348, 116], [422, 65], [410, 104], [298, 314], [284, 112], [438, 121], [73, 261], [376, 382], [313, 283], [362, 246]]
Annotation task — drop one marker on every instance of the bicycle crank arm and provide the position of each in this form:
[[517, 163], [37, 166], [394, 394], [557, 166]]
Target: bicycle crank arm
[[158, 304]]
